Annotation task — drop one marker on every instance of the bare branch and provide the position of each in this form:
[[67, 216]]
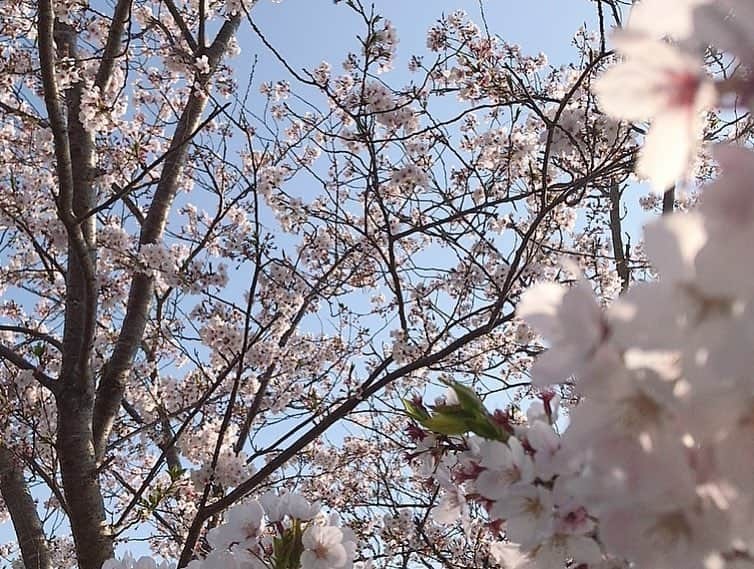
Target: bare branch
[[34, 334], [20, 362]]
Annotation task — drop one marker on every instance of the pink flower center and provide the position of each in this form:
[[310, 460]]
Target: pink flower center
[[321, 551], [576, 518], [682, 89]]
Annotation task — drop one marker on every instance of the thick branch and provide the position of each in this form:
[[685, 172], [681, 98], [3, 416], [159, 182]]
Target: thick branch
[[181, 23], [58, 124], [23, 512], [75, 387], [114, 42], [621, 265], [668, 201], [112, 384]]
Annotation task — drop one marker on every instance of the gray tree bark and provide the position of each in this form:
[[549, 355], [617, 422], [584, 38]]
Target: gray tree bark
[[23, 512]]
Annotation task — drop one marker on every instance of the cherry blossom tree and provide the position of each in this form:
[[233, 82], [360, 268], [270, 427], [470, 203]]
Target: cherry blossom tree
[[221, 311]]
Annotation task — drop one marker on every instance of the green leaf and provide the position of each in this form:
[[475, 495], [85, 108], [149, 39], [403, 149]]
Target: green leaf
[[287, 548], [468, 415], [175, 473], [447, 423], [467, 398], [486, 428], [417, 413]]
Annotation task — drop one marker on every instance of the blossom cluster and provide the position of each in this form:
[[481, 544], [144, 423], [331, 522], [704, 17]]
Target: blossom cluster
[[391, 113], [382, 44], [662, 437], [280, 530], [665, 79], [129, 562], [514, 473]]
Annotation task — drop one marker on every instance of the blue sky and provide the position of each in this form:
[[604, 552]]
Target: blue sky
[[307, 31]]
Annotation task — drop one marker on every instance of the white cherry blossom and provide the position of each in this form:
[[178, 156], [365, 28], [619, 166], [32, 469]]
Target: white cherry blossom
[[660, 82], [571, 321], [504, 465], [323, 548], [243, 526]]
